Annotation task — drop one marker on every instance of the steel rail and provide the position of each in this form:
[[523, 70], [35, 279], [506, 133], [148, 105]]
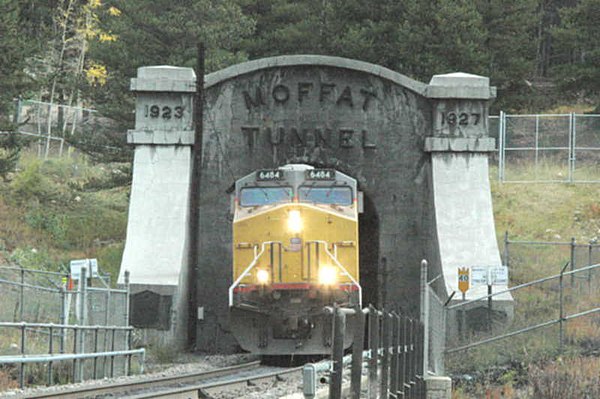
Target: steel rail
[[217, 386], [122, 389]]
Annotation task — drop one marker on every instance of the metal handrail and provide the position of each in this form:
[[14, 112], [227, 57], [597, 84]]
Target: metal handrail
[[65, 326], [342, 268], [45, 358], [250, 267]]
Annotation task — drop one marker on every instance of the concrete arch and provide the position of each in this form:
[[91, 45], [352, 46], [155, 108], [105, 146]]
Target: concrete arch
[[415, 150], [244, 68]]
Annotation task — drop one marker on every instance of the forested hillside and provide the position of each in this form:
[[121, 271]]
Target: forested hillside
[[84, 51]]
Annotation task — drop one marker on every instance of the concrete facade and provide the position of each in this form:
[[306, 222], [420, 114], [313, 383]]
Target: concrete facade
[[157, 245], [408, 144]]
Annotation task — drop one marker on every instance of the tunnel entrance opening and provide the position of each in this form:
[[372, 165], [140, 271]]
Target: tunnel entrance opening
[[368, 235]]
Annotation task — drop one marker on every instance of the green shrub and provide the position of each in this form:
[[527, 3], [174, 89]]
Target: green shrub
[[47, 221], [33, 185], [109, 259]]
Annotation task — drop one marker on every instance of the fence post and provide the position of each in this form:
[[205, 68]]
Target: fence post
[[415, 346], [105, 335], [589, 278], [500, 147], [394, 362], [561, 310], [423, 357], [127, 332], [357, 351], [83, 319], [50, 351], [572, 123], [22, 293], [339, 331], [537, 141], [402, 369], [95, 376], [409, 355], [63, 321], [374, 347], [425, 315], [385, 361], [506, 251], [17, 115], [22, 369], [572, 261]]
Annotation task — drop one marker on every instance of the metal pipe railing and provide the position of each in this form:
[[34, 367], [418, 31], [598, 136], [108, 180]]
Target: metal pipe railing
[[342, 268], [248, 269], [402, 349]]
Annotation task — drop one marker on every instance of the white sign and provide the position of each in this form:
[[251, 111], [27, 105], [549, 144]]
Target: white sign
[[499, 275], [90, 264], [489, 275]]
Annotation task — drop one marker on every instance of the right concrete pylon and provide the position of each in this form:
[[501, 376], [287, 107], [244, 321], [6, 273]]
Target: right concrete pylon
[[464, 219]]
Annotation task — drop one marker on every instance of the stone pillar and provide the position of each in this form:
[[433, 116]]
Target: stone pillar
[[459, 148], [156, 249]]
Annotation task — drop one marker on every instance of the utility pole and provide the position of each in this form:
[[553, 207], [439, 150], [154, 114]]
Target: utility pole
[[195, 194]]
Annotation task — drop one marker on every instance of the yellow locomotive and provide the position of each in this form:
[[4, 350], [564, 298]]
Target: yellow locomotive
[[295, 250]]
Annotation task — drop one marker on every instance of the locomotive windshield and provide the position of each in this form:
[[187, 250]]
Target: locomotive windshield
[[336, 195], [258, 196]]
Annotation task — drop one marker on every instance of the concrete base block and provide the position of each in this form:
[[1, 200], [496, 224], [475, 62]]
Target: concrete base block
[[438, 388]]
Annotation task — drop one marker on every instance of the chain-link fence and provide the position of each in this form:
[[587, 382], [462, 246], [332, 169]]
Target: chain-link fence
[[535, 259], [44, 312], [556, 309], [56, 130], [437, 333], [53, 124], [547, 147]]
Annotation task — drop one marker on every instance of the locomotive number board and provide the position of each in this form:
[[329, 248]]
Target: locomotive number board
[[320, 174], [269, 174]]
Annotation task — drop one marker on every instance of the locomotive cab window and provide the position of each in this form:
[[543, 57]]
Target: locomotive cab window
[[335, 195], [259, 196]]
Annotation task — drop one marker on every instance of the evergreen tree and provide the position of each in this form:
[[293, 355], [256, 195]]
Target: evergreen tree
[[160, 32], [16, 48], [577, 45], [510, 43]]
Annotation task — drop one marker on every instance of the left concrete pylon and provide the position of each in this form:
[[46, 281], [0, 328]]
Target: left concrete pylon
[[156, 249]]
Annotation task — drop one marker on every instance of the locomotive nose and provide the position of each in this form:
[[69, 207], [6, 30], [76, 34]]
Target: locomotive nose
[[295, 221]]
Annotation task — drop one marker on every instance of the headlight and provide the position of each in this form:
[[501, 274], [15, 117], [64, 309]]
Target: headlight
[[262, 276], [295, 221], [328, 275]]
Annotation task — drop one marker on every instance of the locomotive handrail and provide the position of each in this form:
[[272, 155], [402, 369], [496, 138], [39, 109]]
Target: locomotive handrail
[[339, 265], [250, 267]]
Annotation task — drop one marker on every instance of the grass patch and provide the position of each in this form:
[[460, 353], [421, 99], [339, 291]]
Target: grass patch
[[58, 210], [530, 365]]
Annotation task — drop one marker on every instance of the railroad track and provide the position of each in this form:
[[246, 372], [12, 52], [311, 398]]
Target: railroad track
[[187, 386]]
